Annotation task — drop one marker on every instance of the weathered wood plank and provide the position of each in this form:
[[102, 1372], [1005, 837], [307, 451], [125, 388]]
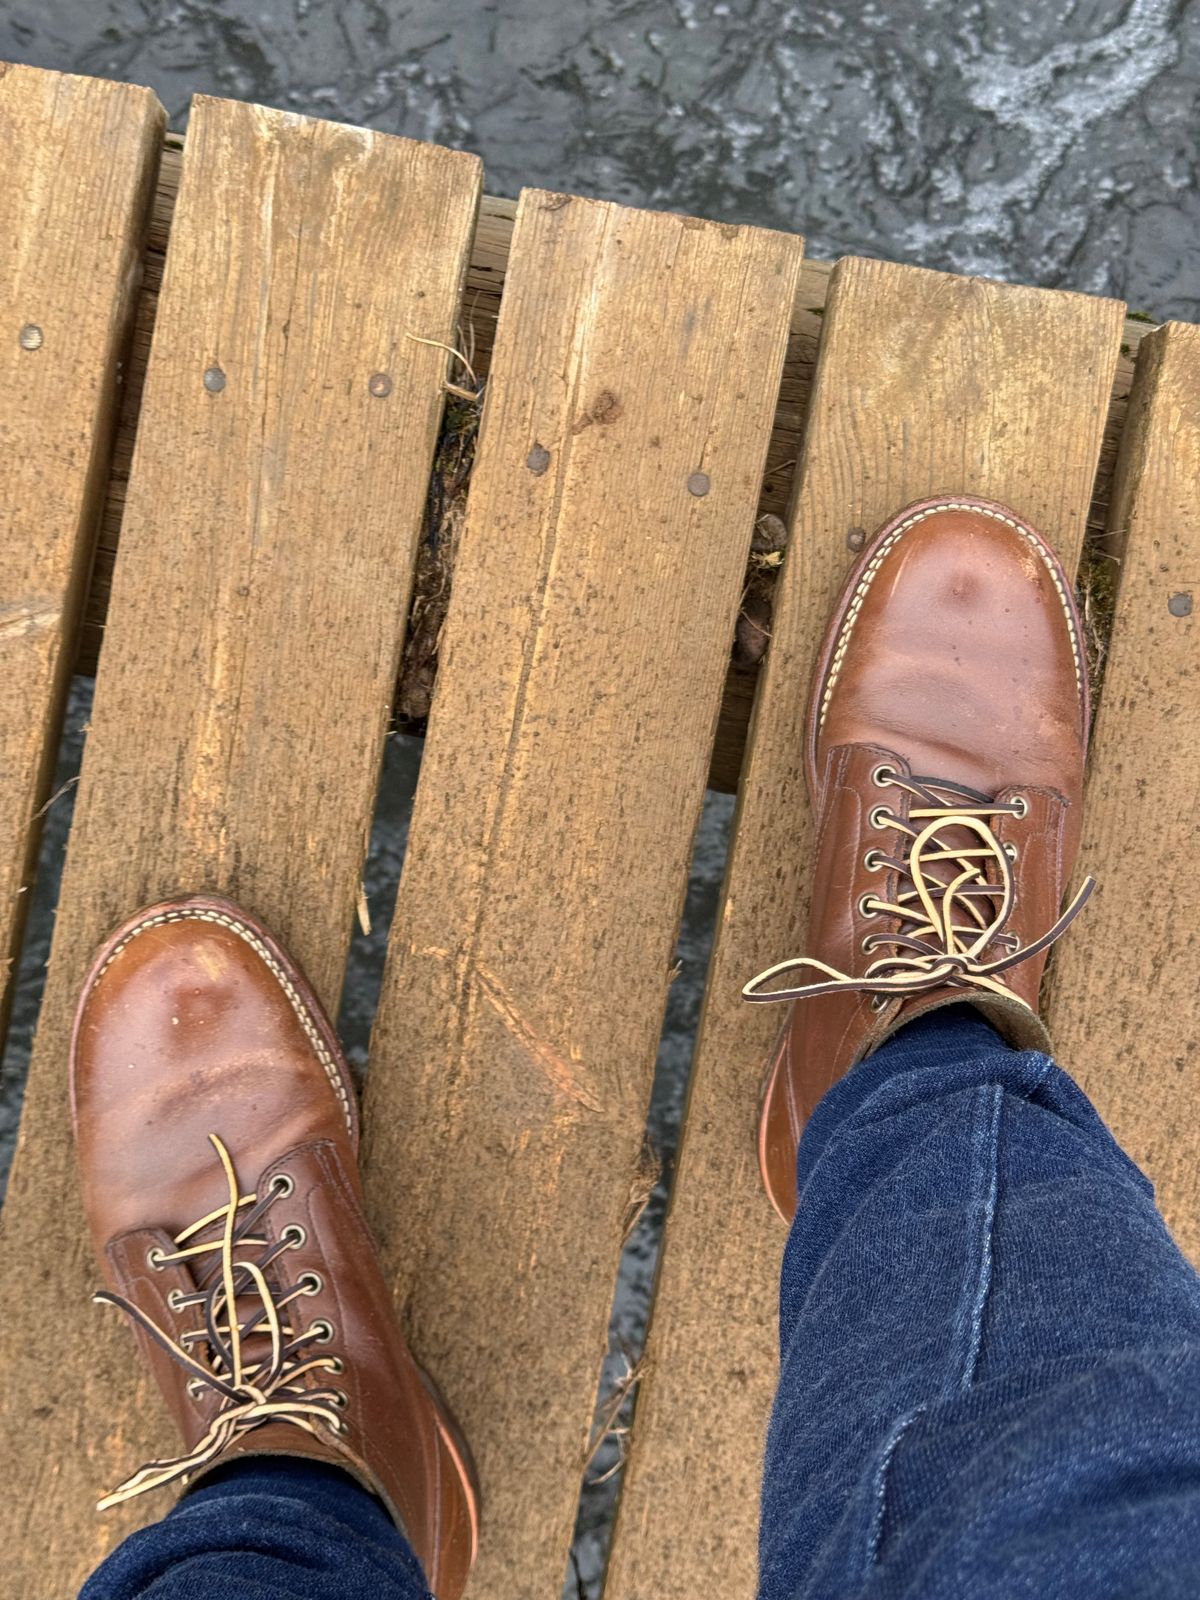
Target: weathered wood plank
[[245, 682], [633, 385], [925, 383], [1123, 984], [476, 328], [80, 158], [485, 281]]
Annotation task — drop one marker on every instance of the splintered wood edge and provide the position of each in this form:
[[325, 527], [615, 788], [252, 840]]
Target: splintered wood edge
[[485, 283]]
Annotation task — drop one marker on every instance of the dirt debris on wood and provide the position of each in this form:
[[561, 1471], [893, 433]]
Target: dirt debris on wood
[[445, 511]]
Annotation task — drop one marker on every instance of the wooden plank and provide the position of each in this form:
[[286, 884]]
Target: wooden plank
[[633, 385], [925, 383], [485, 281], [1123, 984], [475, 331], [245, 683], [80, 157]]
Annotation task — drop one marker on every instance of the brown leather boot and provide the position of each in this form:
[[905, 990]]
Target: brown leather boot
[[217, 1131], [947, 733]]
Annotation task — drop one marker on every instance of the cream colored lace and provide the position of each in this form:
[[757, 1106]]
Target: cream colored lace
[[952, 903], [269, 1389]]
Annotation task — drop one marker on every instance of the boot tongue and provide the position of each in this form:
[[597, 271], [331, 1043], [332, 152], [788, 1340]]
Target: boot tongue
[[954, 789], [207, 1275], [951, 794]]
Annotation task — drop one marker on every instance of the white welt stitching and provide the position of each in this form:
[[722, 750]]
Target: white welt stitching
[[248, 935], [868, 577]]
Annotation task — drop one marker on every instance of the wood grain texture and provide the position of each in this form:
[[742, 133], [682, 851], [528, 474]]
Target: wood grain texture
[[925, 383], [1123, 983], [79, 158], [244, 686], [475, 330], [633, 385], [485, 282]]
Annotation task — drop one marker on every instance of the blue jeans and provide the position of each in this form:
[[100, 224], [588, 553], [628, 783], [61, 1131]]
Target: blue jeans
[[990, 1378], [266, 1530]]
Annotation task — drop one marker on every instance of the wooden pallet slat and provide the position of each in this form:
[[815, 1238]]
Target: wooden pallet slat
[[1122, 987], [79, 159], [925, 383], [244, 688], [634, 380]]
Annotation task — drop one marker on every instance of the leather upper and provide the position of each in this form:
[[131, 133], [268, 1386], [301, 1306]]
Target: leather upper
[[194, 1022], [955, 655]]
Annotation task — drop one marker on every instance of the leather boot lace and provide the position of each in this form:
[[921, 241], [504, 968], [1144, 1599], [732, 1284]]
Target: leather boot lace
[[953, 901], [268, 1383]]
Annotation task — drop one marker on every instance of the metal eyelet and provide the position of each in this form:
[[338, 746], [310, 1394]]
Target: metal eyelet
[[294, 1236], [174, 1300], [873, 861], [341, 1399], [1020, 800], [867, 945], [283, 1184], [336, 1365], [310, 1283], [195, 1387], [883, 775], [878, 1002], [1011, 851], [880, 816], [866, 909], [154, 1259], [321, 1331]]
